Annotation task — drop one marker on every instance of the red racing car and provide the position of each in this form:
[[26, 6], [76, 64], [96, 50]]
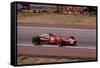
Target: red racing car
[[50, 38]]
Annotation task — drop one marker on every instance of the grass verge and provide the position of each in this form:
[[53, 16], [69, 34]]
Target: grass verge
[[67, 20]]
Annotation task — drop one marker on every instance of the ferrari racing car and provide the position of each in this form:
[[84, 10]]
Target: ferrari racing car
[[50, 38]]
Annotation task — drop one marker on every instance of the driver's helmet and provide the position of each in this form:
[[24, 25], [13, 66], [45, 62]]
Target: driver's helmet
[[50, 34], [71, 37]]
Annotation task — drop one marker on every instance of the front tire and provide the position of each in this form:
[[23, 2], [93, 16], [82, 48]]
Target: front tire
[[74, 43], [61, 43]]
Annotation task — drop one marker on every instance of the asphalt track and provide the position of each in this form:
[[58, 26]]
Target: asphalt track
[[69, 52], [85, 37]]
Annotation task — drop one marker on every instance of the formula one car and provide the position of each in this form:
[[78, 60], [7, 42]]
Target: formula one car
[[50, 38]]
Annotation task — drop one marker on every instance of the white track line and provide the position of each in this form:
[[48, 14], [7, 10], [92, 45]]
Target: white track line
[[57, 28], [57, 46]]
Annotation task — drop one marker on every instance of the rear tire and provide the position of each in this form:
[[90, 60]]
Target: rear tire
[[36, 40]]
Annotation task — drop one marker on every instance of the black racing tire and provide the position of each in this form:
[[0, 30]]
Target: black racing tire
[[61, 43], [36, 40], [74, 43]]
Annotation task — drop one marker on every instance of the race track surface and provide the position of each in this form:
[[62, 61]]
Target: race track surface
[[85, 37], [68, 52]]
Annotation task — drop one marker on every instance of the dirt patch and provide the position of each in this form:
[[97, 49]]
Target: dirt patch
[[42, 60], [57, 20]]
